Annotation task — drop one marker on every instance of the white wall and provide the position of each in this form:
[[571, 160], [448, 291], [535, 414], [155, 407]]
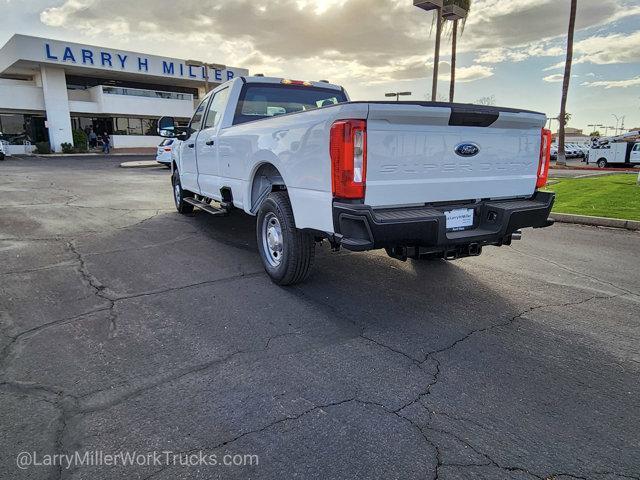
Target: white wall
[[19, 149], [144, 106], [19, 95], [134, 141]]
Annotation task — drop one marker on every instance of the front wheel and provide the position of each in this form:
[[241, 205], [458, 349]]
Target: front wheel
[[287, 253], [179, 194], [602, 163]]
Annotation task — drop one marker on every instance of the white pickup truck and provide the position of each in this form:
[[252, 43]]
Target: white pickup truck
[[422, 180]]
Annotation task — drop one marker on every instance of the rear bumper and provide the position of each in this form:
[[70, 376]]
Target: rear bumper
[[361, 227]]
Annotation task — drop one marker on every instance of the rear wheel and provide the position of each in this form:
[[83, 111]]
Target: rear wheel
[[602, 163], [287, 253], [179, 194], [1, 156]]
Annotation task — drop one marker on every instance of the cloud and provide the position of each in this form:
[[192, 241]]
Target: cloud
[[607, 84], [606, 50], [558, 77], [525, 23], [371, 33]]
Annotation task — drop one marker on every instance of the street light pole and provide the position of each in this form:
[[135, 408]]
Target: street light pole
[[617, 121], [397, 95], [595, 126], [205, 70], [428, 5]]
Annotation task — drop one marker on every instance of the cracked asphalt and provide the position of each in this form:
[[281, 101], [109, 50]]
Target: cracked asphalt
[[128, 327]]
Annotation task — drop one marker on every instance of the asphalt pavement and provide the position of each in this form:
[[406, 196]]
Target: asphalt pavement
[[127, 327]]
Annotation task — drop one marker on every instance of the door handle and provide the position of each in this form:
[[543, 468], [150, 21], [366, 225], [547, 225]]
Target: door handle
[[191, 145], [210, 142]]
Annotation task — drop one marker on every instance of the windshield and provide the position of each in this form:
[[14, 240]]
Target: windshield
[[258, 101]]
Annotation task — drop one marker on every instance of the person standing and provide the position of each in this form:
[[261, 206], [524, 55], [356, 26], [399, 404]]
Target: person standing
[[93, 138], [106, 143]]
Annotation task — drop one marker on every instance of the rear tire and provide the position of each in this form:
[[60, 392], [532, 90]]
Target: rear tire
[[1, 156], [602, 163], [179, 194], [287, 253]]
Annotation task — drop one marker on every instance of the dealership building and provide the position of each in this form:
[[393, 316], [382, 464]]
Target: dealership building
[[49, 88]]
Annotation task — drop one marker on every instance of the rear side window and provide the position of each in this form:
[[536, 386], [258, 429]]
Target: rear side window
[[258, 101]]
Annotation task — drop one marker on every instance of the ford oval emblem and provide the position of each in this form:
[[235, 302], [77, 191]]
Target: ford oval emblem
[[467, 150]]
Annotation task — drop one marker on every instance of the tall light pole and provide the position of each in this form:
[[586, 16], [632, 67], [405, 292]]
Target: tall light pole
[[397, 95], [205, 66], [595, 126], [617, 121], [437, 6]]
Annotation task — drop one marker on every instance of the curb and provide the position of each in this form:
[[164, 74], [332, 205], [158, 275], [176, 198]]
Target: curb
[[596, 221], [141, 164], [91, 154], [594, 169]]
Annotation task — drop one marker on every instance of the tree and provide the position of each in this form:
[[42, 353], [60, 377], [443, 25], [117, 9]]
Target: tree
[[466, 6], [489, 101], [562, 118], [595, 133]]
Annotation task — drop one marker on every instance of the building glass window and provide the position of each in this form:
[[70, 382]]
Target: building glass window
[[18, 128], [121, 126], [135, 126], [150, 126]]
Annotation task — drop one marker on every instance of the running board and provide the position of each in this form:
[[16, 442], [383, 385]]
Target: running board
[[206, 207]]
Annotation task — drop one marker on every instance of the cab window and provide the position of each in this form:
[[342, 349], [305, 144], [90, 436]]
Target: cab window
[[196, 120], [265, 100], [216, 108]]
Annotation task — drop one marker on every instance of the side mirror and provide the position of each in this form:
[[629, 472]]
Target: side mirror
[[167, 127]]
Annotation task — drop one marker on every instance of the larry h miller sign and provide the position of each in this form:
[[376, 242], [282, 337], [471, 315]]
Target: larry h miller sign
[[67, 54]]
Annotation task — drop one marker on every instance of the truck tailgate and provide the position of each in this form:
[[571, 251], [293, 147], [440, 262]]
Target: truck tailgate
[[421, 153]]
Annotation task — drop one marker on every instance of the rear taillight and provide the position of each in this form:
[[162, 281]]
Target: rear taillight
[[348, 150], [167, 149], [545, 158]]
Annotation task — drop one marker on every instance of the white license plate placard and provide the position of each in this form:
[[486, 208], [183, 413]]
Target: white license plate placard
[[459, 219]]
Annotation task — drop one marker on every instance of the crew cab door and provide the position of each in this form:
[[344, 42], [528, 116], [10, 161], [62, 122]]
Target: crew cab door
[[207, 148], [634, 157], [188, 166]]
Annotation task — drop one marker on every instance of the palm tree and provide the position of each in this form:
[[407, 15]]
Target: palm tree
[[466, 6], [562, 118]]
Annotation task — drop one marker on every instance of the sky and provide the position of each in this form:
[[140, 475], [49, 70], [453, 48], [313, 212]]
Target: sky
[[511, 51]]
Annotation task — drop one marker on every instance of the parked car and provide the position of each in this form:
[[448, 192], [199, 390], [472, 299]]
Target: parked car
[[554, 152], [165, 151], [577, 150], [419, 179]]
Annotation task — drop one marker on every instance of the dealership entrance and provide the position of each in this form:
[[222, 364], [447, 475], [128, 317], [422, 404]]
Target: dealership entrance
[[50, 88]]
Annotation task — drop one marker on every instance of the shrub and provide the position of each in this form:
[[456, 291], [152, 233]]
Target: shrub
[[80, 141], [43, 147], [67, 147]]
